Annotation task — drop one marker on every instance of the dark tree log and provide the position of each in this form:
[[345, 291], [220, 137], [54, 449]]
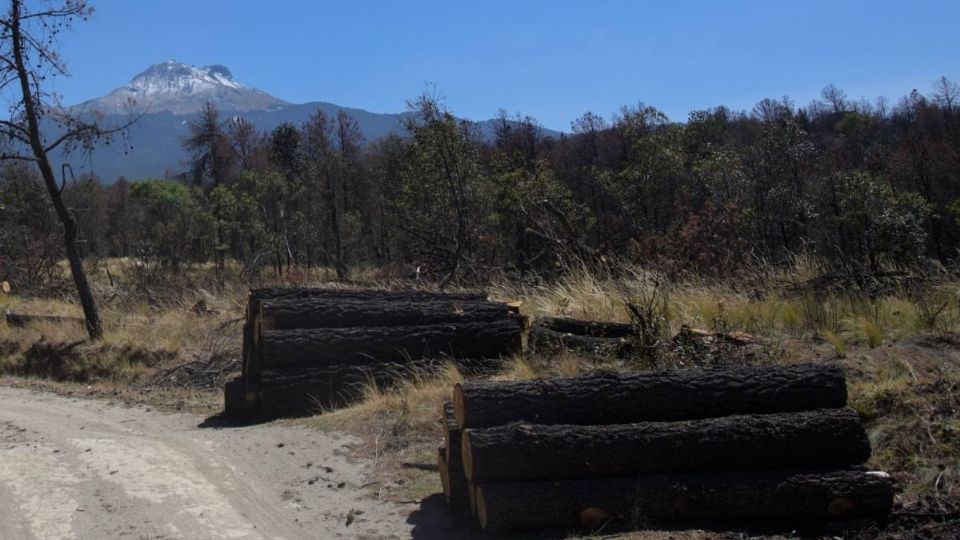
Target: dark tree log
[[808, 439], [320, 346], [233, 399], [544, 339], [287, 314], [306, 390], [620, 398], [455, 487], [258, 295], [598, 329], [23, 319], [451, 433], [298, 390], [247, 352], [787, 497]]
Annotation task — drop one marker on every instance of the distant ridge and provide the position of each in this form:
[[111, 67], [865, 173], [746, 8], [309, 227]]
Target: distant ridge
[[167, 96]]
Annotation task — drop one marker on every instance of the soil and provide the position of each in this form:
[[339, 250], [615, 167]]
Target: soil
[[87, 468]]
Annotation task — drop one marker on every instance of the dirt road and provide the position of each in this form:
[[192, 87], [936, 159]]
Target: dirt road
[[76, 468]]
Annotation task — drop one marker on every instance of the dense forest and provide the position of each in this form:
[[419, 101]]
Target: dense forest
[[859, 184]]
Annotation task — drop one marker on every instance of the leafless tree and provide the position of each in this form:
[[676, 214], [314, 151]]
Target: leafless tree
[[28, 59], [836, 97], [946, 93]]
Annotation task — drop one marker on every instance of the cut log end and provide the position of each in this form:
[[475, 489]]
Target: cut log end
[[444, 471], [473, 492], [451, 432], [459, 405], [466, 455], [594, 518], [479, 507]]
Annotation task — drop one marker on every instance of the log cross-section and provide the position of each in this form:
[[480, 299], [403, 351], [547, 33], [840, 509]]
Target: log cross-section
[[451, 432]]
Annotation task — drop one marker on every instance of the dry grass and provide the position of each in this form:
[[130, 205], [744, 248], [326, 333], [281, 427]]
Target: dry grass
[[899, 347], [902, 366]]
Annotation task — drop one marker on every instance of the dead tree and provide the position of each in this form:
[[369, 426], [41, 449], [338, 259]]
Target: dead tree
[[27, 58]]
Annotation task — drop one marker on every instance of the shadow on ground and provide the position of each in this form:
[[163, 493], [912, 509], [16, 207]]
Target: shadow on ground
[[433, 520], [220, 421]]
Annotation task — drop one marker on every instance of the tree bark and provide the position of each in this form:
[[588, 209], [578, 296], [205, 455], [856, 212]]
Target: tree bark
[[809, 439], [233, 399], [786, 497], [321, 312], [297, 390], [597, 329], [90, 312], [543, 339], [619, 398], [321, 346], [276, 293]]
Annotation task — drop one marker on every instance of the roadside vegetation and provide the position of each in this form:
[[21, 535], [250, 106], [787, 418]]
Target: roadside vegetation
[[174, 346]]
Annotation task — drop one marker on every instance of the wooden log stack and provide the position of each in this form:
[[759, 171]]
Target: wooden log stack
[[308, 348], [697, 447]]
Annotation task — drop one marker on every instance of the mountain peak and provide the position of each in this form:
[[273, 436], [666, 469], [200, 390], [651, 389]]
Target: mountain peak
[[183, 78], [182, 89]]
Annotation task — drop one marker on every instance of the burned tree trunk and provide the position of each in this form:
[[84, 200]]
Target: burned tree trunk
[[302, 391], [811, 439], [321, 346], [597, 329], [782, 496], [23, 319], [276, 293], [233, 399], [544, 339], [286, 314], [619, 398]]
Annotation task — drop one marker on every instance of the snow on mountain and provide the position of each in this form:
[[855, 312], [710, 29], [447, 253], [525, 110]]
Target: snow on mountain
[[183, 89]]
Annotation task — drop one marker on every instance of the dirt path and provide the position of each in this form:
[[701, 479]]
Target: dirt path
[[76, 468]]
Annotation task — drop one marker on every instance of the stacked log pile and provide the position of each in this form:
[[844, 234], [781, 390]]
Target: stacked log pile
[[627, 449], [305, 348]]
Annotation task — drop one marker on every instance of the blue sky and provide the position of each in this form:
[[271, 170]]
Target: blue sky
[[552, 59]]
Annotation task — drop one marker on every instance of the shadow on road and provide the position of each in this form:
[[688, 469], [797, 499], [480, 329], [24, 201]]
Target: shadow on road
[[435, 521], [220, 421]]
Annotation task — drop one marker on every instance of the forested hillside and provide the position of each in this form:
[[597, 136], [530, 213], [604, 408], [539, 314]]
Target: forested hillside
[[855, 183]]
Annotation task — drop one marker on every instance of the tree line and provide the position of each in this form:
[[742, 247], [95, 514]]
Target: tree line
[[856, 183]]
